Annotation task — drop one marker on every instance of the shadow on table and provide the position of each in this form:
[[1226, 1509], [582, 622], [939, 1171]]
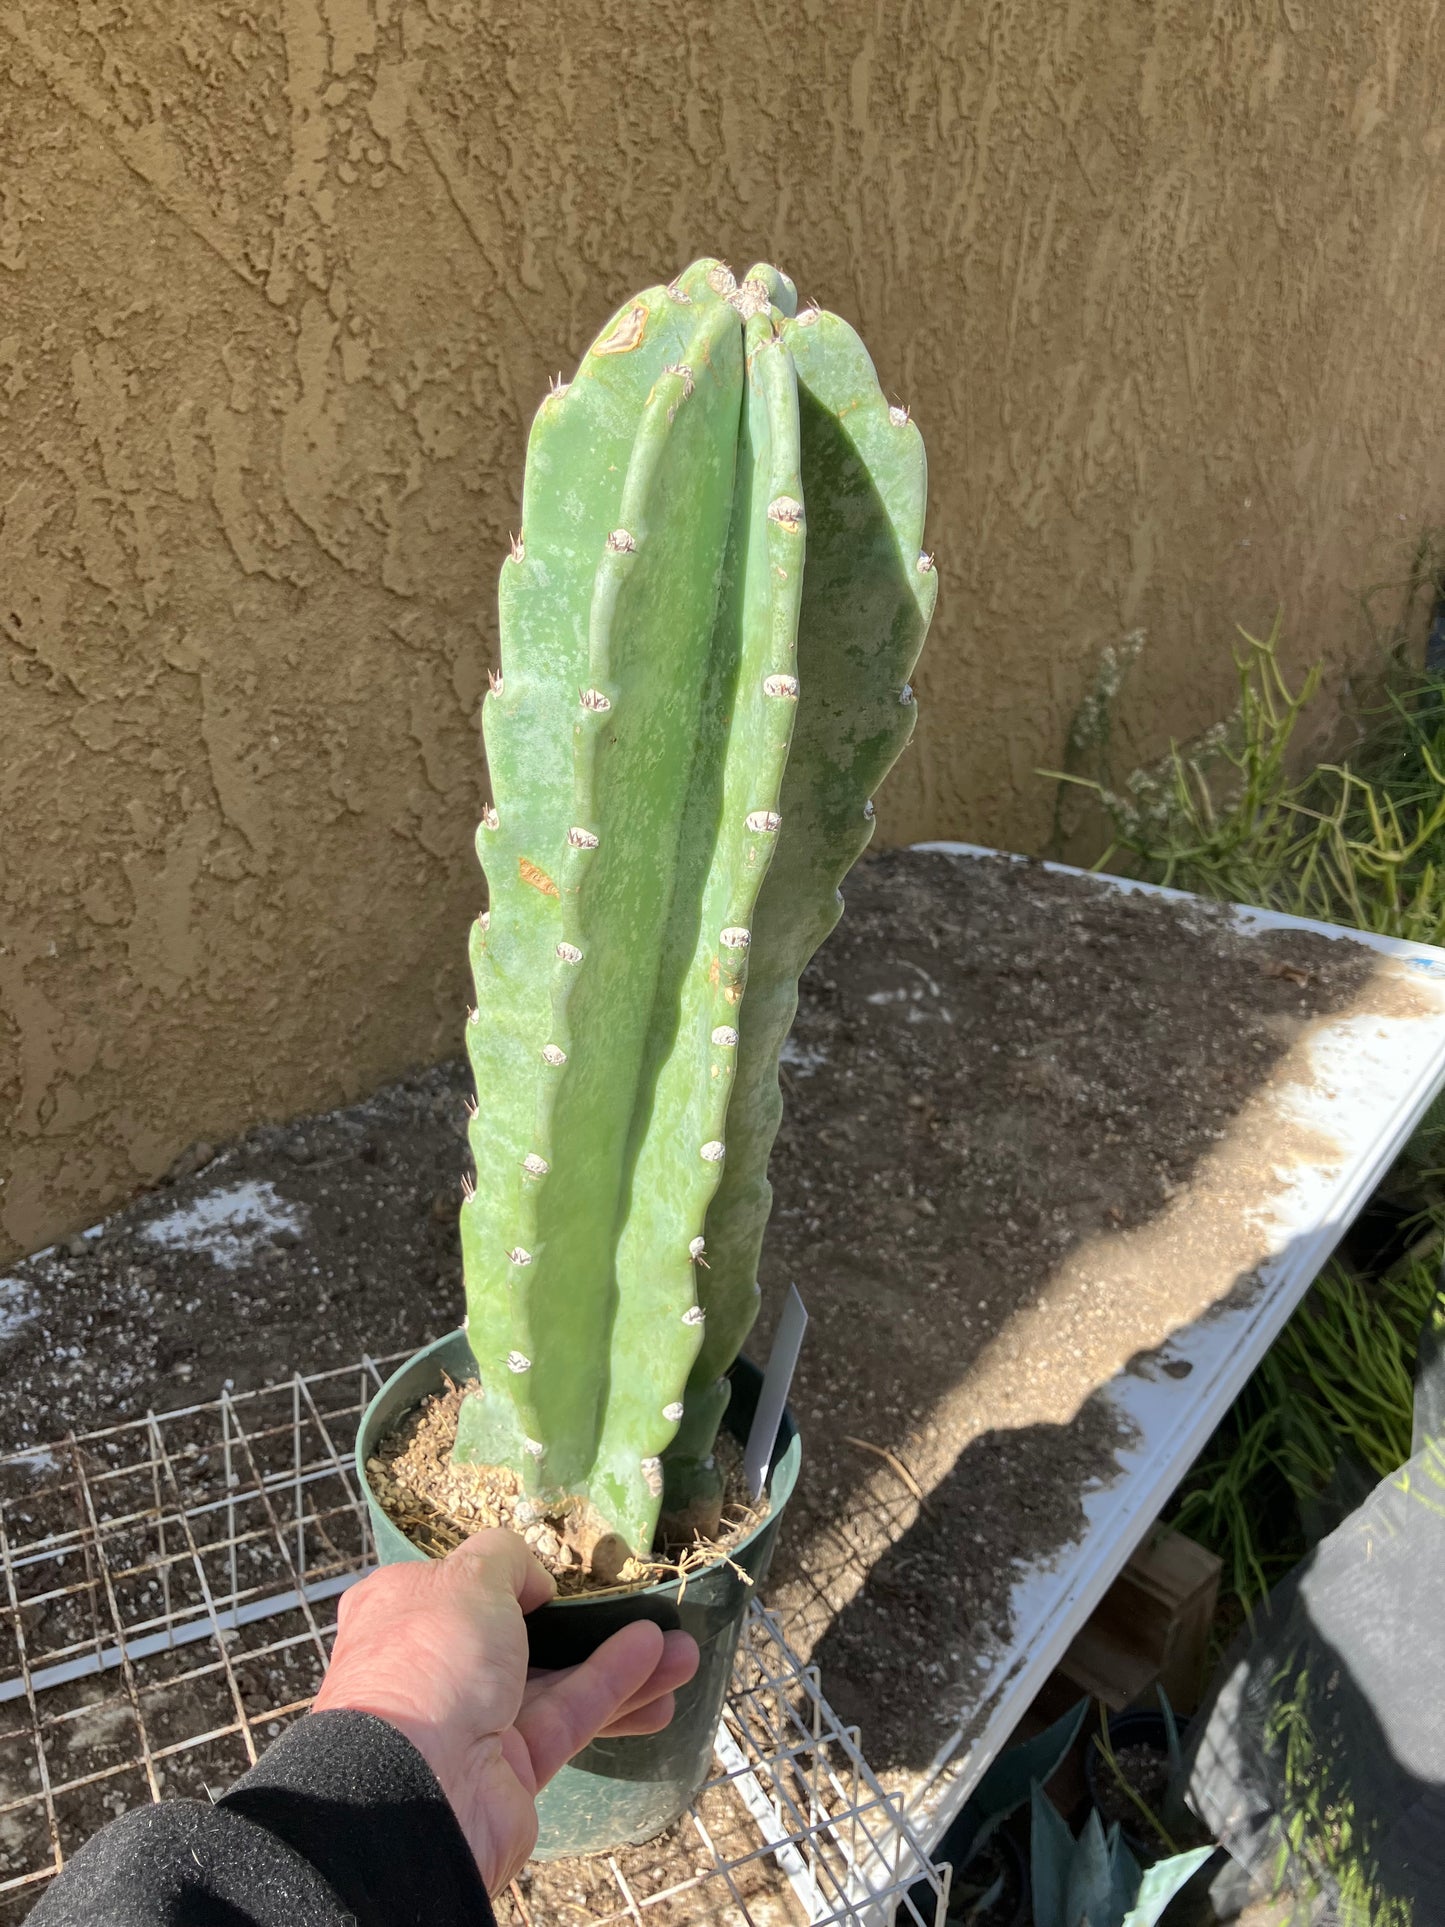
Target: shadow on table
[[890, 1661]]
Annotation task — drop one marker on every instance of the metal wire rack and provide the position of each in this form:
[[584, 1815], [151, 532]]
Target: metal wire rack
[[167, 1592]]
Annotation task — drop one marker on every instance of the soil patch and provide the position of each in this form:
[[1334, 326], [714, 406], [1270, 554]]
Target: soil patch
[[1022, 1119], [299, 1247]]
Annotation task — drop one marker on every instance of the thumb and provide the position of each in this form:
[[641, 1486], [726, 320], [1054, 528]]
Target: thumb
[[572, 1709], [500, 1559]]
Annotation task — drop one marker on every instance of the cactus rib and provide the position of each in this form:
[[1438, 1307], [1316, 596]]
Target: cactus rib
[[731, 830], [865, 611], [651, 593]]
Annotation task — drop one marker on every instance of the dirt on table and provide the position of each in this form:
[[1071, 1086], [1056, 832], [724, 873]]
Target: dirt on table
[[1022, 1143], [1003, 1159]]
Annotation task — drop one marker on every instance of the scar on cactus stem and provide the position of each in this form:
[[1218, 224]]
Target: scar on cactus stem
[[706, 633]]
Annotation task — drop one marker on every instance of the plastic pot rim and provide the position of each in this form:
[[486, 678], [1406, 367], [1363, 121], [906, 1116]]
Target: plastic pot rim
[[782, 1478]]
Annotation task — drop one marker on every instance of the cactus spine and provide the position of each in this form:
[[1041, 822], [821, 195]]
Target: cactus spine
[[686, 733]]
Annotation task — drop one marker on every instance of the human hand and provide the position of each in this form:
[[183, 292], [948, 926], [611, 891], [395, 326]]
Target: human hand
[[438, 1649]]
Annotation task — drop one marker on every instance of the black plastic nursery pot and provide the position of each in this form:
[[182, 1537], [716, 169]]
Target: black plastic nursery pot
[[1136, 1726], [1000, 1859], [623, 1792]]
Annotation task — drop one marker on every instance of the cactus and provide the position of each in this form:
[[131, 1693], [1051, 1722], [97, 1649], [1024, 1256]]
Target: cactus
[[708, 620]]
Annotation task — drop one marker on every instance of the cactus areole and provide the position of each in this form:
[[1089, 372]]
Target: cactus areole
[[709, 620]]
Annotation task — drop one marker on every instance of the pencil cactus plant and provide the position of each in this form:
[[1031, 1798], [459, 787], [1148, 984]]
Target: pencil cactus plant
[[708, 623]]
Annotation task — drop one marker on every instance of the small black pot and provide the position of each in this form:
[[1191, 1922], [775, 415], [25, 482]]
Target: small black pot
[[616, 1793], [1381, 1234], [1136, 1727], [1000, 1854]]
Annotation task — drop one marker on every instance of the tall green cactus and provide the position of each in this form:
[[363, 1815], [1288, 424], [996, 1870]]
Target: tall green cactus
[[707, 626]]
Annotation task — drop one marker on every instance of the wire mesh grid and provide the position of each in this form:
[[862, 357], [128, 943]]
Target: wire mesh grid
[[167, 1603]]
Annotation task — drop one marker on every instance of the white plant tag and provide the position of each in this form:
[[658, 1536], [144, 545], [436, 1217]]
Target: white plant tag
[[777, 1383]]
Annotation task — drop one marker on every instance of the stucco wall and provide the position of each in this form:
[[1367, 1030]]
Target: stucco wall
[[280, 285]]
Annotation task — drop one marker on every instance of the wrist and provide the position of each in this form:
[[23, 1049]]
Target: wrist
[[401, 1709]]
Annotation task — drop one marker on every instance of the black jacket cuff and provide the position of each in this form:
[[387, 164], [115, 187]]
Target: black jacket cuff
[[352, 1795]]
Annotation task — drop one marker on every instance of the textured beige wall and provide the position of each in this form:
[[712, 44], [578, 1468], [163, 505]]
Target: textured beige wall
[[280, 284]]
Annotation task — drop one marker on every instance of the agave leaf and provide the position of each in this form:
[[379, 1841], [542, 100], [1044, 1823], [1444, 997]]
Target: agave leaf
[[1161, 1883], [1125, 1877], [1005, 1786], [1051, 1850], [1171, 1735], [1088, 1889]]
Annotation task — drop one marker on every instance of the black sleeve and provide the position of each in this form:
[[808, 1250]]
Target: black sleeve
[[340, 1824]]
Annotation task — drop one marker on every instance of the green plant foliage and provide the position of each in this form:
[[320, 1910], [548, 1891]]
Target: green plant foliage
[[707, 628], [1225, 819], [1002, 1791], [1005, 1787], [1095, 1878], [1322, 1840], [1337, 1388]]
